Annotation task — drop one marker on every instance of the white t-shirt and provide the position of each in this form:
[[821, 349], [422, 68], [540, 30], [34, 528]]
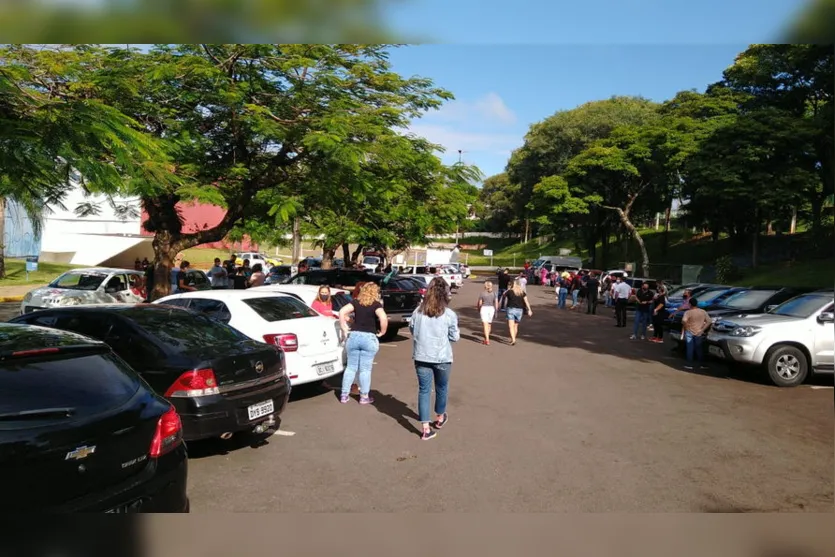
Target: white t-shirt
[[523, 282], [622, 290]]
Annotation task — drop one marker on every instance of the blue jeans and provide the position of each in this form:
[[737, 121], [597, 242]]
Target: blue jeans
[[426, 373], [642, 318], [502, 301], [563, 294], [693, 343], [361, 347], [574, 295]]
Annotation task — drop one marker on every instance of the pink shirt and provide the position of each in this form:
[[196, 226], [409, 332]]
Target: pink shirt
[[322, 308]]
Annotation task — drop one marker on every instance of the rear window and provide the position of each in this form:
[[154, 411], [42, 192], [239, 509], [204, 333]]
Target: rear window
[[43, 387], [406, 285], [184, 330], [280, 309]]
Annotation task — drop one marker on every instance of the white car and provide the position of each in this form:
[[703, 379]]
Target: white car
[[371, 262], [97, 285], [312, 344], [307, 293]]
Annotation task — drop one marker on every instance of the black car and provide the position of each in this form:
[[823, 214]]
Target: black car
[[80, 431], [401, 295], [220, 381], [279, 274]]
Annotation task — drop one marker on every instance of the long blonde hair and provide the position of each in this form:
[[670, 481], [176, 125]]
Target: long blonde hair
[[517, 287], [488, 286], [369, 293]]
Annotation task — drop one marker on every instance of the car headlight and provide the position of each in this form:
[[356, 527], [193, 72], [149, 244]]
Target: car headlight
[[69, 301], [745, 331], [28, 297]]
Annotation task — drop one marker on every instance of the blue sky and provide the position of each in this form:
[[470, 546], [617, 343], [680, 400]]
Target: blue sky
[[511, 64], [501, 90]]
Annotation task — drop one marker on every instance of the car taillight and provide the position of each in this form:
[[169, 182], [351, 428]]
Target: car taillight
[[286, 341], [197, 382], [422, 291], [169, 434]]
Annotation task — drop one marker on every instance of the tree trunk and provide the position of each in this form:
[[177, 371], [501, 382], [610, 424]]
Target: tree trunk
[[665, 239], [623, 214], [793, 226], [346, 253], [297, 240], [769, 227], [328, 252], [604, 246], [527, 230], [165, 252], [356, 255], [2, 237], [714, 239], [755, 243], [625, 246]]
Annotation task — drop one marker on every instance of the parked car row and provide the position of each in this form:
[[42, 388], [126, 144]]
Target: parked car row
[[786, 331], [103, 394]]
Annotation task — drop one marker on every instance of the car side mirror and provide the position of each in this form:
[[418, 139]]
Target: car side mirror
[[771, 307], [826, 317]]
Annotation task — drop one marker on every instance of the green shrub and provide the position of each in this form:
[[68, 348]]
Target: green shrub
[[726, 271]]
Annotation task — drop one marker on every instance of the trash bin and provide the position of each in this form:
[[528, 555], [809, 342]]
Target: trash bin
[[31, 263]]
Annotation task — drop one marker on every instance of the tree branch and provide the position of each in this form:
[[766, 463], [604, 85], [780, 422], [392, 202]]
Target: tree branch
[[210, 55]]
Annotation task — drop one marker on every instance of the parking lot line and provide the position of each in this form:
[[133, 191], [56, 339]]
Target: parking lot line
[[284, 433]]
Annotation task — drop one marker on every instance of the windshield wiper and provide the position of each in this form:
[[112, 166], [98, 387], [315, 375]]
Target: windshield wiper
[[39, 413]]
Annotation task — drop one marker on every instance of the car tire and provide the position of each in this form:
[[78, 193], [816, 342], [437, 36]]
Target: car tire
[[787, 366]]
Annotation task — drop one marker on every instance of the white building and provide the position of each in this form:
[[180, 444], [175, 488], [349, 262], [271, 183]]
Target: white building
[[107, 237]]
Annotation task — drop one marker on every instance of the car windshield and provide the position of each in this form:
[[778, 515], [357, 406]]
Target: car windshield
[[79, 281], [802, 306], [750, 299], [371, 260], [274, 309], [709, 296]]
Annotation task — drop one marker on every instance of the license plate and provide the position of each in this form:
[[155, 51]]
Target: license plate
[[261, 409], [324, 369]]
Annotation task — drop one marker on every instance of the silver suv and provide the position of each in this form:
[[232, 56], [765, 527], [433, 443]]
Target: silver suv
[[792, 340]]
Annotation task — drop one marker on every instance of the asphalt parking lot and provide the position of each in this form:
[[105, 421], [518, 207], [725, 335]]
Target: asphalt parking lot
[[573, 418]]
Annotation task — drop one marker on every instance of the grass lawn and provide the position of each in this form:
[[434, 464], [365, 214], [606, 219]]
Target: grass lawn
[[808, 274], [46, 273]]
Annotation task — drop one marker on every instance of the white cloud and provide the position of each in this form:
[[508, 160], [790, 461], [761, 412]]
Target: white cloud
[[489, 109], [469, 142]]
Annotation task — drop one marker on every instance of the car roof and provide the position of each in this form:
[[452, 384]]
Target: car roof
[[228, 294], [21, 336], [312, 288], [107, 270]]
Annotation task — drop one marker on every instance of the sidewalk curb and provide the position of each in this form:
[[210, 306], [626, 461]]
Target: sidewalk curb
[[7, 299]]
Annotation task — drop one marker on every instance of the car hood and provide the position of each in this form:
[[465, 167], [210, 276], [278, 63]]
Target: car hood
[[760, 319], [723, 312], [49, 292]]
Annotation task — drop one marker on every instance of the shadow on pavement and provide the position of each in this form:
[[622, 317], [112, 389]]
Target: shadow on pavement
[[396, 409], [219, 447]]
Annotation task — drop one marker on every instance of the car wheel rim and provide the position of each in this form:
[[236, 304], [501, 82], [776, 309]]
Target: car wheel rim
[[788, 367]]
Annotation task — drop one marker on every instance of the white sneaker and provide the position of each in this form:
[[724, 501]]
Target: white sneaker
[[643, 338], [631, 337]]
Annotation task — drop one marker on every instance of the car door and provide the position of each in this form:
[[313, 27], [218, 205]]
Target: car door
[[824, 341], [115, 289]]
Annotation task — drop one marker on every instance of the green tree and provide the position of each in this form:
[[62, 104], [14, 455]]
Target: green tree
[[497, 201], [52, 133]]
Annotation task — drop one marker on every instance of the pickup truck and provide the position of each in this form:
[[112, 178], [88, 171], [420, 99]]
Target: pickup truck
[[454, 280], [790, 341]]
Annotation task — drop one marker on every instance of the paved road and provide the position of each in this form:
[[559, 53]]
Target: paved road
[[574, 418]]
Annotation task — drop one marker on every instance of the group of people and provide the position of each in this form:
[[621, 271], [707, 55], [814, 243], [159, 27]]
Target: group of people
[[228, 275], [434, 327]]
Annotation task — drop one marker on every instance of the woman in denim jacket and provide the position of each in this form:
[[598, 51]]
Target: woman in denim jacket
[[434, 327]]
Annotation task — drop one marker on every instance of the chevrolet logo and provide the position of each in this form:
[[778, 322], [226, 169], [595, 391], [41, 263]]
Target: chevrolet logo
[[259, 367], [80, 453]]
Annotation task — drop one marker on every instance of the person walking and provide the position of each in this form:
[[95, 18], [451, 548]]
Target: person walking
[[434, 328], [504, 284], [643, 313], [621, 293], [592, 290], [363, 339], [659, 315], [517, 303], [694, 324], [523, 280], [543, 276], [488, 304], [574, 288], [562, 291]]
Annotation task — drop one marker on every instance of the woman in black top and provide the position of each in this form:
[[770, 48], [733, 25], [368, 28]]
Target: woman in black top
[[517, 303], [659, 315], [363, 339]]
